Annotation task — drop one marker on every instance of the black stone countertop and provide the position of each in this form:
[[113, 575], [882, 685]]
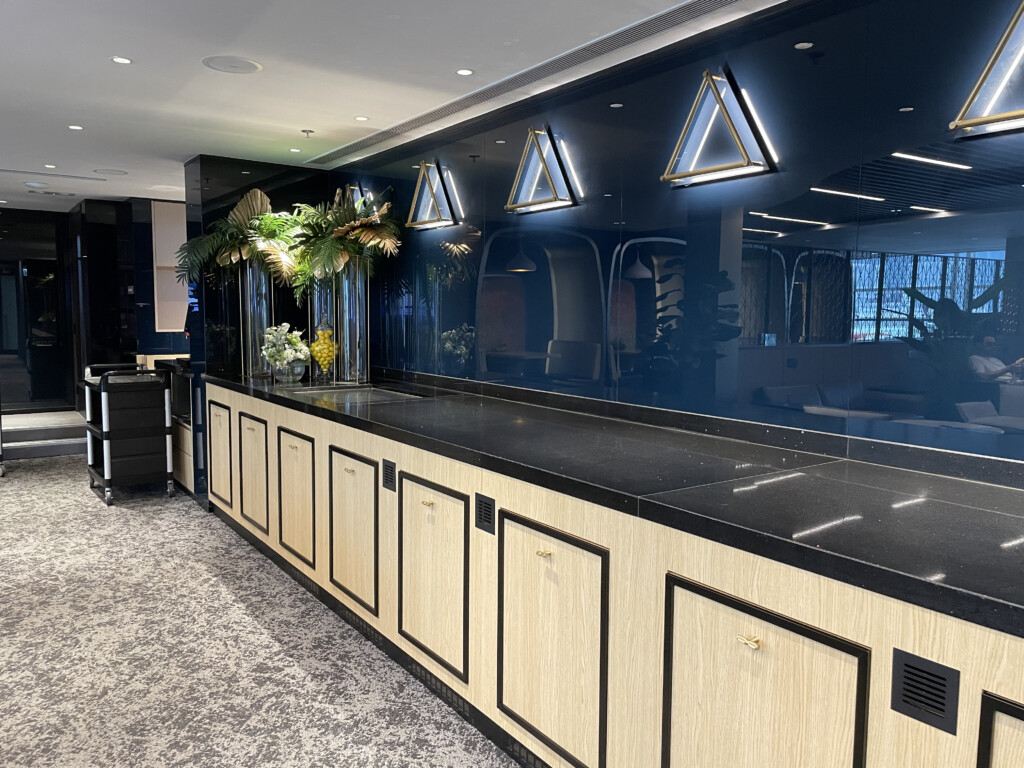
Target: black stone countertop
[[952, 546]]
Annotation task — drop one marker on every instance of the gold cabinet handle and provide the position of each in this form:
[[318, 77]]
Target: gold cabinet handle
[[427, 503], [250, 429], [543, 553], [754, 643], [349, 470], [293, 446]]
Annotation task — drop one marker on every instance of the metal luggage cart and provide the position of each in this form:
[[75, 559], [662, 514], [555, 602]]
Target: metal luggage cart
[[128, 429]]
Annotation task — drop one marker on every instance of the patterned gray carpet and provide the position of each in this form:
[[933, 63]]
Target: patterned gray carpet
[[150, 634]]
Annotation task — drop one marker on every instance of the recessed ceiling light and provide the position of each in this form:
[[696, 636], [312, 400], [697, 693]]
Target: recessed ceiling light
[[233, 65], [616, 105], [3, 202], [36, 184], [362, 118], [75, 128], [931, 161], [48, 165], [464, 72], [294, 149], [847, 194], [246, 173], [120, 60], [608, 194], [415, 166], [927, 210], [803, 46], [906, 109], [502, 141], [110, 172]]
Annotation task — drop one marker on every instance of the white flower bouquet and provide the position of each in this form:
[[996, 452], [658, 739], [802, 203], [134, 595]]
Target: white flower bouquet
[[281, 347], [458, 342]]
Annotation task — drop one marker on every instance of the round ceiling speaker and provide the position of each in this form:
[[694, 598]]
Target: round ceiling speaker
[[234, 65]]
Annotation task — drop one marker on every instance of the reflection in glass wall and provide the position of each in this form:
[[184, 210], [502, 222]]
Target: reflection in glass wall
[[865, 281]]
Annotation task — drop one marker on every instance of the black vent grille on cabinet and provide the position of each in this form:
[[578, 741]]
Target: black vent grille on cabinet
[[390, 483], [925, 691], [485, 513]]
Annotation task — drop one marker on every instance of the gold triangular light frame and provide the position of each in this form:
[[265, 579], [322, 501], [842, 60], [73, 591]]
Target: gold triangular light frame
[[562, 192], [431, 173], [756, 166], [962, 121]]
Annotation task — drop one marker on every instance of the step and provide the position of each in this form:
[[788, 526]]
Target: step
[[38, 449], [36, 434]]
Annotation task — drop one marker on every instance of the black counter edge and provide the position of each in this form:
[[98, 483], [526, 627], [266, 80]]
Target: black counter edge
[[501, 738], [988, 612]]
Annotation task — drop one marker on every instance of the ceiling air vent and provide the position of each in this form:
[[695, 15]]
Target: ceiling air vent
[[925, 691], [485, 513], [390, 476]]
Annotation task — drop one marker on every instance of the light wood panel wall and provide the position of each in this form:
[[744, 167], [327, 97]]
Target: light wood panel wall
[[1007, 742], [640, 555]]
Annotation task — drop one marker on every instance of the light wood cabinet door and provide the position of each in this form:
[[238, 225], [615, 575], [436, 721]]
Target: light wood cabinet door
[[433, 571], [552, 636], [354, 526], [296, 507], [1001, 742], [744, 686], [220, 473], [254, 501]]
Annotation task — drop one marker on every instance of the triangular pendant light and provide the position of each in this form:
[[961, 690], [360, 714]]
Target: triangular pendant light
[[722, 138], [541, 183], [996, 103], [431, 207]]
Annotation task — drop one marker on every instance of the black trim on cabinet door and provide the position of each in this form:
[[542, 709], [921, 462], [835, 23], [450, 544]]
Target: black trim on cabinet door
[[312, 495], [266, 470], [231, 470], [602, 733], [859, 652], [331, 451], [462, 674], [990, 705]]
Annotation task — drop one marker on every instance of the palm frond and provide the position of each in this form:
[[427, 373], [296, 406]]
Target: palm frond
[[254, 203]]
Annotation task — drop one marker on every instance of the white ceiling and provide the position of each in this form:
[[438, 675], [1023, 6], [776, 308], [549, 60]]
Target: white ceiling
[[324, 62]]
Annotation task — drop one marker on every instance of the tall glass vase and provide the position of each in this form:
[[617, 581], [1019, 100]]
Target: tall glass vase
[[256, 316], [352, 322], [323, 336]]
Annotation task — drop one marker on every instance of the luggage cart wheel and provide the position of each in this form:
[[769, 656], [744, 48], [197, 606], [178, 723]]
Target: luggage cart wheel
[[170, 488], [108, 497]]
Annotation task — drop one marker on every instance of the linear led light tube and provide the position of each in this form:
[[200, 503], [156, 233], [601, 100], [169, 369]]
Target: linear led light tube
[[786, 218], [1011, 70], [1012, 544], [932, 161], [729, 173], [763, 232], [760, 127], [848, 194], [572, 169], [908, 502], [927, 210]]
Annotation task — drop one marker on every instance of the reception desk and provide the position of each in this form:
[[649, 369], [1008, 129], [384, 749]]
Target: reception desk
[[595, 592]]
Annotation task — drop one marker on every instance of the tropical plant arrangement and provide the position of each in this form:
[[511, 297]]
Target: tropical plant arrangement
[[351, 230], [250, 232]]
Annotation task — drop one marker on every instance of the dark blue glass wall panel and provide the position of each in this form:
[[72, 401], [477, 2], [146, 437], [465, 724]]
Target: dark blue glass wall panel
[[768, 298]]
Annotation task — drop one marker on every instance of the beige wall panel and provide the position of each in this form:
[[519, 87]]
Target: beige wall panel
[[353, 526], [1007, 742], [433, 588], [552, 638], [790, 702]]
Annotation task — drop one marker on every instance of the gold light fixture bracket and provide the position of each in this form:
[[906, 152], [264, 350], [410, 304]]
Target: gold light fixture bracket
[[431, 207], [992, 100], [721, 137], [541, 183]]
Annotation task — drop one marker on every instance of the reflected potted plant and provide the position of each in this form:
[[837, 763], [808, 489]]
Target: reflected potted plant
[[457, 345]]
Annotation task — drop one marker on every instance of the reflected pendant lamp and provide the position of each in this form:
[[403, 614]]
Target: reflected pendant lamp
[[520, 262], [637, 270]]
